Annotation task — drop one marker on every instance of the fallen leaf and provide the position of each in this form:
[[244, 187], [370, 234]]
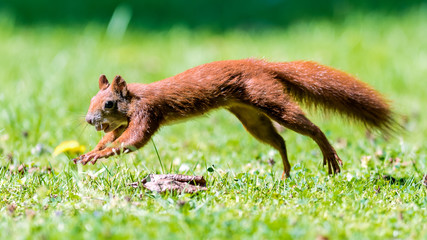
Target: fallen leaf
[[172, 182], [70, 147]]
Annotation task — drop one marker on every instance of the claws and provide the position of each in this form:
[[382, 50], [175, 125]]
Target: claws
[[333, 163], [94, 160], [77, 159], [86, 158], [94, 155]]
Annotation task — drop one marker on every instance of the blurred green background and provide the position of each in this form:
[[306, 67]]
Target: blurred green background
[[213, 14]]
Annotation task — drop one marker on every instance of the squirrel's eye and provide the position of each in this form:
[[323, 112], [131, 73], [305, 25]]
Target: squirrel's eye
[[109, 104]]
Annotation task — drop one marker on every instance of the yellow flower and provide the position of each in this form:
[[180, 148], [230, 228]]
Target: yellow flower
[[70, 147]]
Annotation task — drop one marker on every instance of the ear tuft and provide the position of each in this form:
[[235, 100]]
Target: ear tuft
[[119, 85], [103, 82]]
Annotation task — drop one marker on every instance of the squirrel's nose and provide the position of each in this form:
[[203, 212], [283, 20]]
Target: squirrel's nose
[[89, 120]]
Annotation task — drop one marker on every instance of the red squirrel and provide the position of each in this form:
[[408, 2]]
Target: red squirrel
[[255, 91]]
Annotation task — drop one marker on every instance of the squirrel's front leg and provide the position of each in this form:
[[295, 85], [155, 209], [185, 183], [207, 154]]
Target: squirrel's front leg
[[103, 143], [136, 135]]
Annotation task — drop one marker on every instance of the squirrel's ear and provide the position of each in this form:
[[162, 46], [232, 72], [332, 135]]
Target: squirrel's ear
[[103, 82], [119, 85]]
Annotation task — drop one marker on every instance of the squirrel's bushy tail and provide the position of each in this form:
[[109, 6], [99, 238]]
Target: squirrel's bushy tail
[[315, 84]]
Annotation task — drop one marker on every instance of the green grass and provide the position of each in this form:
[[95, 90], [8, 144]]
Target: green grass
[[48, 76]]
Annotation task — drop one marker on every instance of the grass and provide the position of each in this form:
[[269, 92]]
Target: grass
[[48, 75]]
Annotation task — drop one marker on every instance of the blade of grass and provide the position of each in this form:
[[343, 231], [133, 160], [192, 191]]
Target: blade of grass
[[158, 156]]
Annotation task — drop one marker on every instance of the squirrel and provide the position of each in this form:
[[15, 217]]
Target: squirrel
[[257, 92]]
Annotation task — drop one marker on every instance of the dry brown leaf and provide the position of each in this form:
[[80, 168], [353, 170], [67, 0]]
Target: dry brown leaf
[[173, 182]]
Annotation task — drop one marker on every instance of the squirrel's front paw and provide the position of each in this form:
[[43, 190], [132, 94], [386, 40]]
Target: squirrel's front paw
[[78, 159], [95, 155], [88, 157]]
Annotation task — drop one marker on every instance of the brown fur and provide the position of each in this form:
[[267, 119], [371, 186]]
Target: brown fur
[[255, 91]]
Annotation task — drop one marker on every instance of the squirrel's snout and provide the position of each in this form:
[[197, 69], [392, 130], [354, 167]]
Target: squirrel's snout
[[89, 120]]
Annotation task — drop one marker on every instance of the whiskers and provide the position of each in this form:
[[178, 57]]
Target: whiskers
[[79, 124]]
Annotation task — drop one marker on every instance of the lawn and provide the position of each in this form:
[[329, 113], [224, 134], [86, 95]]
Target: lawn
[[49, 74]]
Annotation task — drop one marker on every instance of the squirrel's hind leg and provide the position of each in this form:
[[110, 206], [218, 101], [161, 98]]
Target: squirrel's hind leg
[[261, 127], [291, 116]]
